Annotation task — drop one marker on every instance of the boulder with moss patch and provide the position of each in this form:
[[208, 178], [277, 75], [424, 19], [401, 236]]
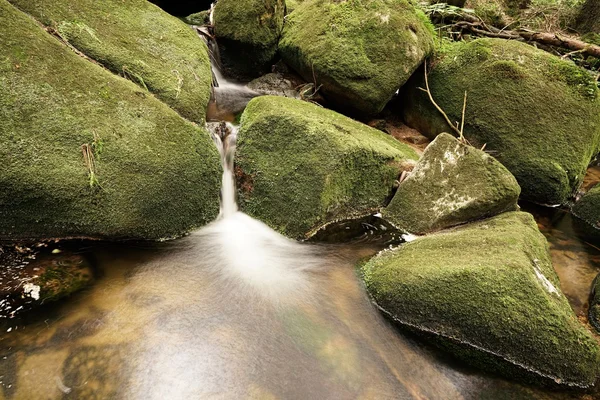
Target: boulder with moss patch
[[587, 210], [488, 293], [247, 32], [138, 41], [537, 114], [300, 166], [359, 52], [88, 154], [451, 184]]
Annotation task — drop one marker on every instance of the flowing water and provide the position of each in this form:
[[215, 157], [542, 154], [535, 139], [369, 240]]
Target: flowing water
[[233, 311]]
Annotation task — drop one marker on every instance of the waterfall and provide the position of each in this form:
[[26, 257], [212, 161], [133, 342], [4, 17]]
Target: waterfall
[[225, 135]]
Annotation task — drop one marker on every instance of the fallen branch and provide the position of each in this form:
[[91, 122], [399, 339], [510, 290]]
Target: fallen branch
[[477, 26]]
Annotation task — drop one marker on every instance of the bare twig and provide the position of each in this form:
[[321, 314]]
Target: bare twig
[[462, 121], [428, 91]]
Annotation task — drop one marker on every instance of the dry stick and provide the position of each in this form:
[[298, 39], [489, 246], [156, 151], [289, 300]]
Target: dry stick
[[462, 122], [436, 105]]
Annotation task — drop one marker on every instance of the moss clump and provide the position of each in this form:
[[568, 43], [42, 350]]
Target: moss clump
[[361, 52], [489, 293], [156, 175], [539, 115], [451, 184], [300, 166], [138, 41], [199, 18], [247, 32]]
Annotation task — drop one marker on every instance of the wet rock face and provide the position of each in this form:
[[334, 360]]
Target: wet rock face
[[32, 276], [247, 32], [452, 183], [300, 166], [513, 91], [137, 41], [89, 154], [487, 293], [360, 52]]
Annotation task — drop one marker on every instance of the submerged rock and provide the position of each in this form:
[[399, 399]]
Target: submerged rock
[[88, 154], [29, 278], [360, 52], [451, 184], [539, 115], [300, 166], [487, 292], [138, 41], [587, 210], [247, 32]]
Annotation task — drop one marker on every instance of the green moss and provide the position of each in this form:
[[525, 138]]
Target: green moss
[[451, 184], [539, 115], [158, 174], [138, 41], [199, 18], [361, 52], [60, 281], [248, 32], [488, 291], [301, 166]]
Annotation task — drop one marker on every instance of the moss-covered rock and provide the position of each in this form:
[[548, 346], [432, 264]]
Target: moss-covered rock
[[247, 32], [361, 52], [588, 19], [300, 166], [587, 209], [138, 41], [539, 115], [488, 293], [88, 154], [199, 18], [451, 184], [291, 5], [594, 310]]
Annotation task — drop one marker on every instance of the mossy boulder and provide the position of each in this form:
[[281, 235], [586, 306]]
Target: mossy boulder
[[247, 32], [138, 41], [291, 5], [487, 292], [587, 209], [361, 52], [88, 154], [300, 166], [452, 183], [537, 114]]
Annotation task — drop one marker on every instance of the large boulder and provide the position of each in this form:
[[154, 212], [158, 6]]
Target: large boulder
[[360, 52], [138, 41], [300, 166], [85, 153], [247, 32], [487, 292], [539, 115], [587, 210], [452, 183]]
